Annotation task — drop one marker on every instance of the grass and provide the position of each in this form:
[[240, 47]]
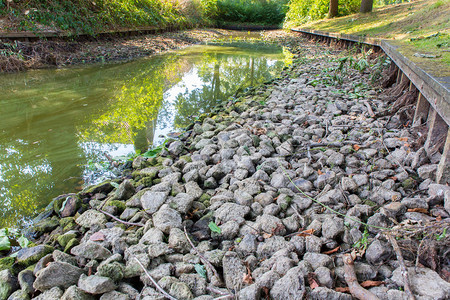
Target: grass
[[420, 27]]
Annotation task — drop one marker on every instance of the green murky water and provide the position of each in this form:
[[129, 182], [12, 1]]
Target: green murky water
[[56, 124]]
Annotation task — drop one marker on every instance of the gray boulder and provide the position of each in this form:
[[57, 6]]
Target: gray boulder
[[152, 201], [57, 274], [91, 250], [8, 283], [290, 286], [95, 284], [233, 270], [75, 293], [167, 218], [90, 218], [424, 282]]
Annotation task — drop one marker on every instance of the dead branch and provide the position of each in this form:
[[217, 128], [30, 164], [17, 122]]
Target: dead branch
[[401, 261], [154, 282], [205, 261], [121, 221], [369, 109], [356, 290]]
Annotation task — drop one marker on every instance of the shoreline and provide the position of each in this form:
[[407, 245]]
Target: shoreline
[[231, 206]]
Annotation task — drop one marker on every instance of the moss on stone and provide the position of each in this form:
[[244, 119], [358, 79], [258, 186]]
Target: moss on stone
[[72, 243], [113, 270], [7, 263], [120, 205], [46, 225], [146, 181], [63, 240], [204, 197], [157, 180]]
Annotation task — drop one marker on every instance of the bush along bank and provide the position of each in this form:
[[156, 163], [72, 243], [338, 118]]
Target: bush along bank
[[260, 200]]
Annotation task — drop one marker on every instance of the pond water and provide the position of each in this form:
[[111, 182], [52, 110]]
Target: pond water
[[57, 125]]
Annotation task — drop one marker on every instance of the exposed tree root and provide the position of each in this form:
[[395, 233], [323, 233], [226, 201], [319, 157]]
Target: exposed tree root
[[356, 290]]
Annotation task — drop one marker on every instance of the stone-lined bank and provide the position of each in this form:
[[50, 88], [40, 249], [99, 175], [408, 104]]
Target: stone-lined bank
[[233, 168]]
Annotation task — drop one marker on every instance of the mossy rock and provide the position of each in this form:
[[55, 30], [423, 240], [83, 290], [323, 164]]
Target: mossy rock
[[64, 239], [157, 180], [46, 225], [29, 256], [72, 243], [146, 182], [409, 183], [117, 203], [57, 203], [7, 263], [204, 197], [67, 223], [104, 187], [114, 270], [256, 140]]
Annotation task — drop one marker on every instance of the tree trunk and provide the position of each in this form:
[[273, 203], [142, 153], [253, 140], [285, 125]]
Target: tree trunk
[[333, 8], [366, 6]]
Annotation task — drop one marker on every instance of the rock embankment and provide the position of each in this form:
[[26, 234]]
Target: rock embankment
[[257, 201]]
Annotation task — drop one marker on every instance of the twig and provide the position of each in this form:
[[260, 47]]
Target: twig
[[418, 250], [121, 221], [229, 296], [401, 261], [356, 290], [205, 261], [369, 109], [154, 282]]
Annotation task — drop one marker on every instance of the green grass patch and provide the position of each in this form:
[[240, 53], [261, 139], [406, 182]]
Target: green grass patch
[[420, 28]]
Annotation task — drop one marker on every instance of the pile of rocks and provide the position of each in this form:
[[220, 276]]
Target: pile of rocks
[[257, 170]]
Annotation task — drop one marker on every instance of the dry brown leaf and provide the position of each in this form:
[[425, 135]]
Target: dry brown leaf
[[356, 147], [312, 281], [98, 236], [403, 139], [267, 235], [419, 210], [247, 279], [342, 289], [332, 250], [307, 232], [371, 283], [439, 218], [319, 172]]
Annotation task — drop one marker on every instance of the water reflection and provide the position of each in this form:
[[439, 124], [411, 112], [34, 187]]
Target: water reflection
[[55, 122]]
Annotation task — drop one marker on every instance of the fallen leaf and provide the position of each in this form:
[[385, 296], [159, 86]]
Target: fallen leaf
[[247, 279], [332, 250], [371, 283], [417, 209], [403, 139], [342, 289], [307, 232], [319, 172], [267, 235], [356, 147], [394, 178], [439, 218], [98, 236], [312, 281]]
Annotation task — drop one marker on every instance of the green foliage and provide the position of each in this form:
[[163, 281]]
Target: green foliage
[[303, 11], [200, 269], [91, 17], [442, 235], [5, 245], [214, 228], [363, 242], [269, 12], [8, 234]]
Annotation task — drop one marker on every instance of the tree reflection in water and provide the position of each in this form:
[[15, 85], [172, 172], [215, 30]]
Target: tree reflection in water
[[54, 122]]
